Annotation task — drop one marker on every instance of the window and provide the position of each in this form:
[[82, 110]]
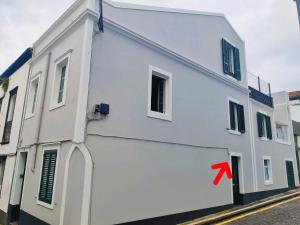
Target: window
[[47, 182], [2, 168], [1, 100], [236, 117], [231, 60], [32, 98], [264, 126], [160, 94], [268, 171], [282, 132], [60, 82], [9, 115]]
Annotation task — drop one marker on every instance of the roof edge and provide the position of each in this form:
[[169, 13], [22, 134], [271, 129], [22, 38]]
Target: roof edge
[[124, 5], [19, 62]]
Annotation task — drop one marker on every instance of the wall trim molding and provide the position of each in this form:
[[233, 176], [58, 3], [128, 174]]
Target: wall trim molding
[[84, 15], [174, 55]]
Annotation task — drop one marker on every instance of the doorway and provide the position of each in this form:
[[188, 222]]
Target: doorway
[[290, 174], [235, 161], [17, 189]]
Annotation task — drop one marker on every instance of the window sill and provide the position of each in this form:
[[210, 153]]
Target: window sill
[[265, 139], [29, 116], [56, 106], [231, 77], [234, 132], [279, 141], [268, 183], [46, 205], [161, 116]]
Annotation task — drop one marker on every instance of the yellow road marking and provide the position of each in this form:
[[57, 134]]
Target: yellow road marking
[[257, 211]]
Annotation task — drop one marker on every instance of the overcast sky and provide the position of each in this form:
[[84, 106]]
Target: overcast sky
[[269, 27]]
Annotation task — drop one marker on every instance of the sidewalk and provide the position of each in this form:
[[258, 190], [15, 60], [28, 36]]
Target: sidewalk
[[217, 217]]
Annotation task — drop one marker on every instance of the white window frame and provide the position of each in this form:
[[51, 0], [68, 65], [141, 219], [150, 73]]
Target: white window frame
[[45, 148], [168, 94], [29, 114], [236, 131], [265, 131], [287, 134], [54, 95], [270, 181]]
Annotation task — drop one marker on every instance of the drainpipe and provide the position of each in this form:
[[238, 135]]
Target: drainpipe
[[40, 114], [24, 107]]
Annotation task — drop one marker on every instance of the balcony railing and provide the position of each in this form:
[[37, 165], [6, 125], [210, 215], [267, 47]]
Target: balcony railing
[[260, 90]]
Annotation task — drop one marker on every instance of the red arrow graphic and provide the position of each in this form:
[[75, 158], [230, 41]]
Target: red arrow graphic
[[223, 168]]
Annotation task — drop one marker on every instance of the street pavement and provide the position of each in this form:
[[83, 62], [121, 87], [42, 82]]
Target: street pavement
[[285, 214]]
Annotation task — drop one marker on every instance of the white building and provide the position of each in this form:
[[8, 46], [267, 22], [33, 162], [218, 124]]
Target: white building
[[12, 98], [295, 112], [122, 126]]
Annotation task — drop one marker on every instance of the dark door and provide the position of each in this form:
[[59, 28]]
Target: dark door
[[15, 212], [290, 174], [235, 180]]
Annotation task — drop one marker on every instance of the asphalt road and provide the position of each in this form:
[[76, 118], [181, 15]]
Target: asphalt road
[[287, 213]]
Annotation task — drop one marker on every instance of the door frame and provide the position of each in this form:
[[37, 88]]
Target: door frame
[[241, 172], [293, 162]]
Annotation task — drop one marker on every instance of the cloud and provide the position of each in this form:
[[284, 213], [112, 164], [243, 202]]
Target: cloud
[[269, 27]]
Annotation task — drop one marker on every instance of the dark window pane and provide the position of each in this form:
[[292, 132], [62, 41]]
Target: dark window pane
[[158, 94], [61, 84]]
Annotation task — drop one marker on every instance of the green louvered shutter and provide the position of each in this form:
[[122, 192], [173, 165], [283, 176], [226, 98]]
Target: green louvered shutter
[[241, 119], [237, 66], [260, 124], [47, 177], [225, 54], [232, 117], [269, 127]]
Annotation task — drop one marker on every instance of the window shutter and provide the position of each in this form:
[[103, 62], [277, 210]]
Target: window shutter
[[47, 178], [225, 53], [260, 124], [241, 119], [237, 66], [232, 117], [269, 127]]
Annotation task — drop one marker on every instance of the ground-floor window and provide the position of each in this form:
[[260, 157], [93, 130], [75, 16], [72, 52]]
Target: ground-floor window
[[2, 168], [48, 176], [268, 171]]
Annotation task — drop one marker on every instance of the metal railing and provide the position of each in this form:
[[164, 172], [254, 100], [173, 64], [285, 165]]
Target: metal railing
[[259, 84]]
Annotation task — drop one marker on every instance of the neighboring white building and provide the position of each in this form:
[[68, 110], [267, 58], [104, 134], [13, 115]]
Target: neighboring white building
[[122, 126], [12, 98], [295, 112]]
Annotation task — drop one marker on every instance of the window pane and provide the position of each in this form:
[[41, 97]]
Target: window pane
[[35, 89], [2, 168], [61, 84], [158, 94], [231, 60], [267, 177], [267, 169], [11, 109]]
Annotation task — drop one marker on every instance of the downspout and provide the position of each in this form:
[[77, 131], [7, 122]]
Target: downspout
[[24, 107], [40, 114]]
